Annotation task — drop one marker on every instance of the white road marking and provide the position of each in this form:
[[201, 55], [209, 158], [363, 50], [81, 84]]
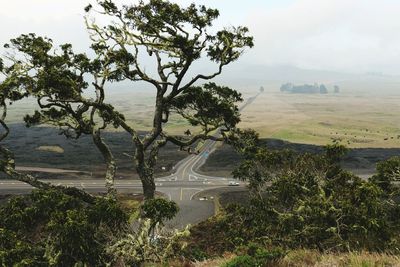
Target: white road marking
[[198, 191], [193, 178]]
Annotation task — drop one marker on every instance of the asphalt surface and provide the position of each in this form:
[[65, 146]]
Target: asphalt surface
[[183, 186]]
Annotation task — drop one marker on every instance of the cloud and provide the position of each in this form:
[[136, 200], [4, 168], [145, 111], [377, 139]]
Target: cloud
[[354, 36], [341, 35], [60, 20]]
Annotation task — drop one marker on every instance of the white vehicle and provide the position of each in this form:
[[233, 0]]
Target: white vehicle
[[233, 183]]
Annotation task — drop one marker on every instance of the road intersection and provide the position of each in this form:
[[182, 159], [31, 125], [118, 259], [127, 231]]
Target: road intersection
[[182, 186]]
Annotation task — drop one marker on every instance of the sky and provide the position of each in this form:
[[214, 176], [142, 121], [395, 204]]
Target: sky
[[353, 36]]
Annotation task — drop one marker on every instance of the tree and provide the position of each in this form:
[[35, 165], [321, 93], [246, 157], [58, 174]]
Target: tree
[[287, 87], [387, 173], [55, 80], [159, 210], [13, 89], [174, 38], [323, 89], [308, 201]]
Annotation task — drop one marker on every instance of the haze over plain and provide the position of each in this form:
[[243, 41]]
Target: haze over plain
[[350, 43]]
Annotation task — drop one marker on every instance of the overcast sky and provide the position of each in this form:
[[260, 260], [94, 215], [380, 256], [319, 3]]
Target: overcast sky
[[342, 35]]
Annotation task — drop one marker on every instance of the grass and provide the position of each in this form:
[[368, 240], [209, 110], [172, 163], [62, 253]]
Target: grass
[[298, 118], [357, 121], [311, 258], [303, 258], [131, 204]]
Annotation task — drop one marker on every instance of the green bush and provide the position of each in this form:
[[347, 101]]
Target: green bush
[[17, 252], [264, 256], [257, 256], [242, 261], [195, 253], [49, 228], [309, 201], [388, 171], [138, 246], [158, 210]]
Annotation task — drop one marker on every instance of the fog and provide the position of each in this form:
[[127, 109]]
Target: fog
[[296, 40]]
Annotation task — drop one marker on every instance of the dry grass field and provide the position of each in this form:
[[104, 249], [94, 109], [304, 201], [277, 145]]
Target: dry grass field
[[356, 119], [360, 119]]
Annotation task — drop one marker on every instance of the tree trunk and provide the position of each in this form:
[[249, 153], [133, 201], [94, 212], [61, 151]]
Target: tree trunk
[[111, 166], [149, 187], [145, 172], [148, 184], [110, 178]]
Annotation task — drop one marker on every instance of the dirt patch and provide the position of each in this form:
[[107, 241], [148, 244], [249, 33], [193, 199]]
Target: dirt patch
[[54, 149]]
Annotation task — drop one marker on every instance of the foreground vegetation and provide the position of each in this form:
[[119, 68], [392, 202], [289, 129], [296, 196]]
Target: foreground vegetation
[[304, 201], [49, 228], [304, 210], [311, 258]]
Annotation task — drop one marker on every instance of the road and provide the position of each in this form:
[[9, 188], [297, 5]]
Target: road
[[194, 209], [182, 186]]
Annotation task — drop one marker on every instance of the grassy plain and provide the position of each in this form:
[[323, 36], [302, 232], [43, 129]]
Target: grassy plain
[[355, 119], [358, 118]]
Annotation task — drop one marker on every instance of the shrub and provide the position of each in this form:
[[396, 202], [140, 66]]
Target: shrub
[[264, 256], [158, 210], [257, 256], [139, 245], [388, 171], [195, 253], [17, 252], [242, 261], [308, 201], [50, 228]]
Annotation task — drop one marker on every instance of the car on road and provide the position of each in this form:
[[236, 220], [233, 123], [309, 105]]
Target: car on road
[[233, 183]]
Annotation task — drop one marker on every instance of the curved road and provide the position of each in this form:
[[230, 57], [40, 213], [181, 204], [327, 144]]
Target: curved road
[[182, 186]]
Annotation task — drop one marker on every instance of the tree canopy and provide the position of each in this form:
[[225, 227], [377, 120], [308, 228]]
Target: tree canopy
[[71, 88]]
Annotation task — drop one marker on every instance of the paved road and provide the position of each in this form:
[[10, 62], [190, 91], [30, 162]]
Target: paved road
[[194, 209], [182, 186]]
